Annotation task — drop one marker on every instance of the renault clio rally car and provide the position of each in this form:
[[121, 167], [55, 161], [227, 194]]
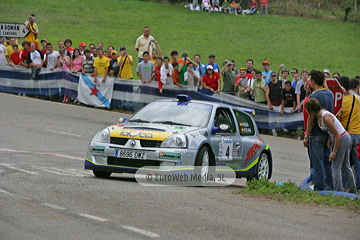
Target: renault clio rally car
[[181, 132]]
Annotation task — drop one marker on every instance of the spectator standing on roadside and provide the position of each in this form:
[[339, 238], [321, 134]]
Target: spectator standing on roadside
[[94, 53], [36, 60], [229, 77], [10, 50], [145, 69], [191, 76], [101, 66], [68, 47], [339, 156], [213, 64], [350, 120], [61, 44], [88, 63], [284, 73], [288, 98], [200, 66], [183, 68], [296, 79], [327, 73], [259, 88], [114, 64], [43, 44], [143, 42], [174, 56], [24, 52], [125, 63], [32, 35], [300, 90], [154, 53], [15, 56], [336, 75], [240, 85], [316, 139], [250, 84], [77, 61], [250, 66], [3, 60], [158, 65], [82, 46], [273, 91], [65, 61], [355, 87], [267, 72], [176, 74], [211, 81], [52, 57], [264, 7], [165, 74]]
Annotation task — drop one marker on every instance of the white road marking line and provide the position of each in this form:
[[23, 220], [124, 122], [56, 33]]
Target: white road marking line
[[58, 173], [66, 171], [93, 217], [10, 150], [51, 154], [63, 133], [143, 232], [19, 169], [85, 172], [53, 206], [6, 192], [60, 155]]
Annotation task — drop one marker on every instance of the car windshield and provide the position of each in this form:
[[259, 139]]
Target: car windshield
[[175, 113]]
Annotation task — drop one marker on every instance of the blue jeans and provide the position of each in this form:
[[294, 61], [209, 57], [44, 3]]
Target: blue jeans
[[319, 158], [355, 138]]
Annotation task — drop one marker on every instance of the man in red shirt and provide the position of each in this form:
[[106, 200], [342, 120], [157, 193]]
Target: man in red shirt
[[15, 56], [264, 7], [24, 52]]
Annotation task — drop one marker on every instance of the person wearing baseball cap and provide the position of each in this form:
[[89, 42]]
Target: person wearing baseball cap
[[114, 64], [210, 81], [327, 73], [82, 46], [267, 72]]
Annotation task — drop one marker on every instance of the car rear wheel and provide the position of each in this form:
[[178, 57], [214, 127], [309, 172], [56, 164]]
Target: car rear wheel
[[101, 174], [202, 164], [262, 169]]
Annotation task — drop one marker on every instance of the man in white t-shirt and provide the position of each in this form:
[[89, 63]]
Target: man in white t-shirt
[[2, 55], [192, 75], [35, 59], [52, 57]]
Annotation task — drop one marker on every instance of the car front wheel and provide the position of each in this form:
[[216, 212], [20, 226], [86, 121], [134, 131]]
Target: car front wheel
[[101, 174], [203, 164]]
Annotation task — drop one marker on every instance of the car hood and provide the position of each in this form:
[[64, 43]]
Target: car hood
[[158, 132]]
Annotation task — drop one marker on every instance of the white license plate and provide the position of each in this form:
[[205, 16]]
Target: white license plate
[[129, 154]]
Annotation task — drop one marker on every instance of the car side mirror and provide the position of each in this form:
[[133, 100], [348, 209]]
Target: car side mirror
[[222, 128], [122, 120]]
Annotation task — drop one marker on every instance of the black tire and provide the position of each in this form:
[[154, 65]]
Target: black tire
[[202, 164], [263, 168], [101, 174]]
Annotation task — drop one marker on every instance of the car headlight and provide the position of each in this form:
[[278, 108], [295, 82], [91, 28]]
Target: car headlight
[[174, 141], [104, 136]]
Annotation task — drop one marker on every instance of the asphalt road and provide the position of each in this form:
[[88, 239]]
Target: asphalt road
[[45, 193]]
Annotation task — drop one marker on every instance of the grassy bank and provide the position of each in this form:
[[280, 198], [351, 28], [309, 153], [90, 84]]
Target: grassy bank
[[291, 193], [296, 42]]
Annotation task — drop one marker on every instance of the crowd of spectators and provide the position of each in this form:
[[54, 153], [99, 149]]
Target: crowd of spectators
[[226, 6], [285, 89]]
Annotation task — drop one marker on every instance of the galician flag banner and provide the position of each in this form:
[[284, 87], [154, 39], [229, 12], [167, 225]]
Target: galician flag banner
[[96, 94]]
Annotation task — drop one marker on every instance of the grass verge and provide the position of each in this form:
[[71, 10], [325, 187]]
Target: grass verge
[[290, 192]]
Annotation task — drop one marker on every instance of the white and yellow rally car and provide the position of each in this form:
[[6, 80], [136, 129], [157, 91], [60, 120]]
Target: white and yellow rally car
[[181, 132]]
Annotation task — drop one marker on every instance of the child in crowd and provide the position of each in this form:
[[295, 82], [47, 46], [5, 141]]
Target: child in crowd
[[166, 72]]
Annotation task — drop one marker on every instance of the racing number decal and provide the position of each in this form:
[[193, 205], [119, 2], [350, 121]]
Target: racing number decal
[[225, 148]]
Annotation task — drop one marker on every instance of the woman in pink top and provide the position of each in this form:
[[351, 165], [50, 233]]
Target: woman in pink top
[[76, 63]]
